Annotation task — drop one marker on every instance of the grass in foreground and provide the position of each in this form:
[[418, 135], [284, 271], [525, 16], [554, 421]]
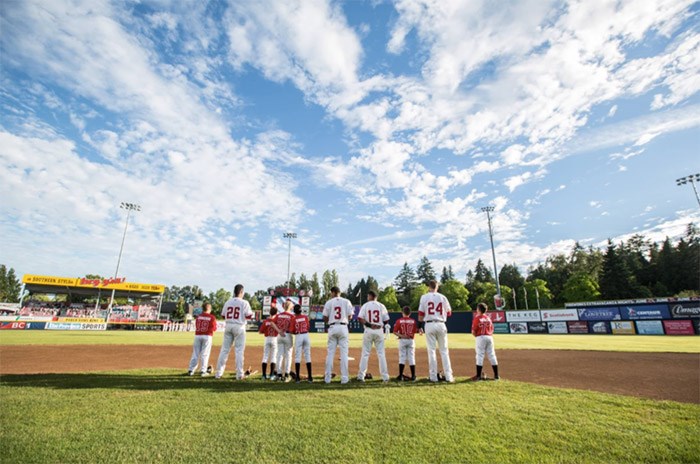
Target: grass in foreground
[[160, 415], [636, 343]]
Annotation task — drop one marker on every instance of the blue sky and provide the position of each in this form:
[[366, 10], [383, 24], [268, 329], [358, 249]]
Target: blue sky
[[374, 130]]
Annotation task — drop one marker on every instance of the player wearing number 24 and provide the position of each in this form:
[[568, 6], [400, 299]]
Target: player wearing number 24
[[237, 313], [433, 311]]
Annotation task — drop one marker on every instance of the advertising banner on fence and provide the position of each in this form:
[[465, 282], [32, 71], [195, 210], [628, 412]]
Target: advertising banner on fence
[[696, 324], [75, 326], [679, 327], [577, 327], [659, 311], [523, 316], [497, 316], [685, 310], [537, 327], [559, 315], [518, 327], [15, 325], [599, 327], [557, 327], [622, 327], [500, 328], [649, 327], [609, 313]]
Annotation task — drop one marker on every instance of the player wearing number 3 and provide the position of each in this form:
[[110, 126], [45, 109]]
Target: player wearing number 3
[[236, 312], [433, 311], [336, 313], [373, 315]]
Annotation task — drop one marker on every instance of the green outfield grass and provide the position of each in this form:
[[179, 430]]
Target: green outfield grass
[[637, 343], [162, 416]]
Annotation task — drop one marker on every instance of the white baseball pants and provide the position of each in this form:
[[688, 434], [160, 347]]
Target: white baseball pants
[[201, 348], [436, 338], [373, 337], [284, 353], [302, 345], [234, 334], [337, 338], [407, 351], [484, 345], [270, 349]]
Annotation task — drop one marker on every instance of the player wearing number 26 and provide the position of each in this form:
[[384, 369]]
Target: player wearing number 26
[[236, 312], [373, 315], [433, 311], [336, 313]]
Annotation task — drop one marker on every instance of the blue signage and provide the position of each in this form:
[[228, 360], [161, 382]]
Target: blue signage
[[649, 328], [656, 311], [605, 313], [599, 327]]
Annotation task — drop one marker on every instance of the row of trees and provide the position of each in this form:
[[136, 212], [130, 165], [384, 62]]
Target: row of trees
[[635, 268]]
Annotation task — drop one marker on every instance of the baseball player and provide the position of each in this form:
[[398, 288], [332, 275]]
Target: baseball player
[[205, 326], [270, 349], [406, 328], [433, 311], [300, 328], [482, 329], [285, 342], [237, 313], [373, 315], [336, 313]]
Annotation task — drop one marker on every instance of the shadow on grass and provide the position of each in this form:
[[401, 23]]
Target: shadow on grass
[[173, 381]]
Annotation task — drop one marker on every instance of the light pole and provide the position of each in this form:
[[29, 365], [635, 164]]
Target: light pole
[[692, 179], [129, 207], [488, 210], [290, 236]]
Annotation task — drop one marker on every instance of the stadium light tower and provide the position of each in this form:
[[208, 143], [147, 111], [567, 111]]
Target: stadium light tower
[[290, 236], [129, 207], [692, 179], [488, 210]]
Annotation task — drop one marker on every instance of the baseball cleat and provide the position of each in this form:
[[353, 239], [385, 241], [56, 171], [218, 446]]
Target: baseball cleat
[[190, 373], [205, 374], [476, 379]]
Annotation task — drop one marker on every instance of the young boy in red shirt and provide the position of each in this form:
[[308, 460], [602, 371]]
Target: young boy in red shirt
[[482, 329], [300, 327], [267, 328], [406, 328]]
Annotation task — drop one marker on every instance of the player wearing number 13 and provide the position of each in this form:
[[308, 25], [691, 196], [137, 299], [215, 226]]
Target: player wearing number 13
[[433, 311], [236, 312], [373, 315], [336, 313]]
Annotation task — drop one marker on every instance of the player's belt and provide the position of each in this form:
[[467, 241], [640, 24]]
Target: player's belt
[[430, 322], [338, 323], [302, 333]]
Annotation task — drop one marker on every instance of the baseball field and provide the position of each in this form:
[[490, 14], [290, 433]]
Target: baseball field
[[123, 397]]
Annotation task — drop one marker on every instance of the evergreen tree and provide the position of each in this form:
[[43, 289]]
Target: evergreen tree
[[425, 272], [317, 296], [403, 283], [447, 274], [616, 280], [482, 273]]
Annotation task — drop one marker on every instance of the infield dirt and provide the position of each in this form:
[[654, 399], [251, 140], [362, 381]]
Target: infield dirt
[[663, 376]]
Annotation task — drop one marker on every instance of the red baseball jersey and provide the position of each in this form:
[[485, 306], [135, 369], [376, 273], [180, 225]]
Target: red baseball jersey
[[283, 321], [267, 329], [405, 325], [482, 325], [300, 324], [205, 324]]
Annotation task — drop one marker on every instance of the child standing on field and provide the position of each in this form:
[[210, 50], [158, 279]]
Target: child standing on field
[[268, 329], [482, 329], [406, 328]]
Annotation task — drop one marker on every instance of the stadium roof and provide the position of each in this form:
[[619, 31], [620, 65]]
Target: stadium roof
[[92, 287]]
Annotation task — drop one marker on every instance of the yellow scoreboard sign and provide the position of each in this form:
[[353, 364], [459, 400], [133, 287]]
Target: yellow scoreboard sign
[[109, 283]]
